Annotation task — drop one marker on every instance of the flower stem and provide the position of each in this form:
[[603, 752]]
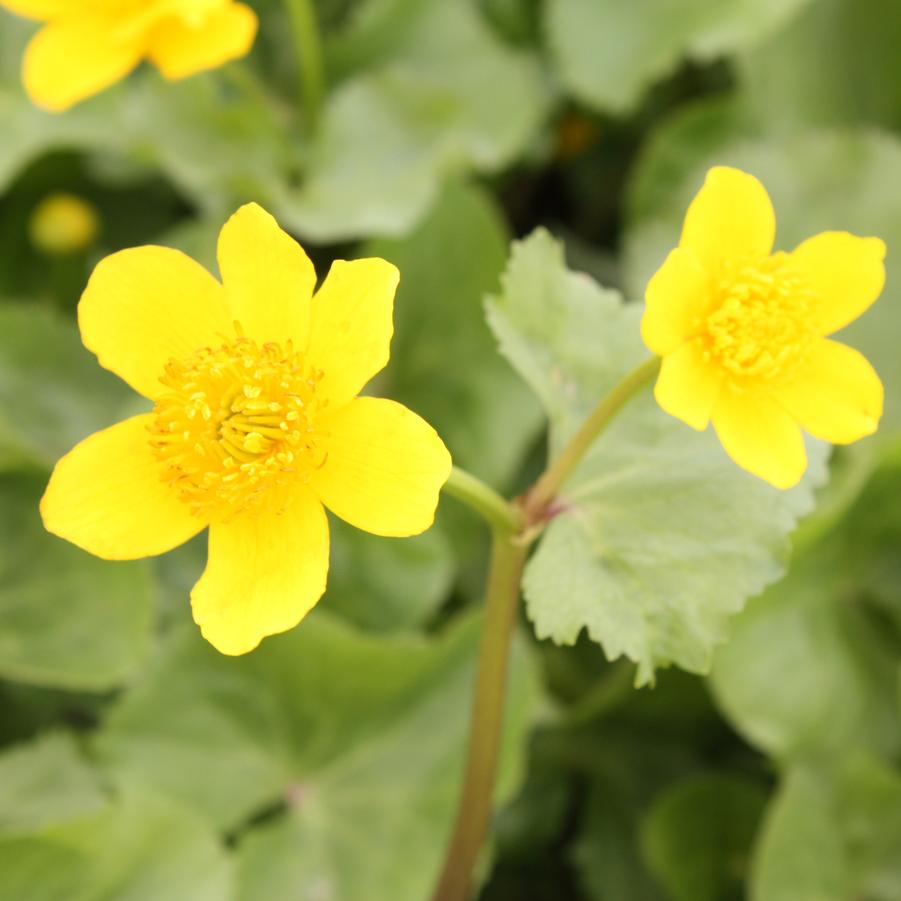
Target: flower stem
[[305, 29], [548, 486], [512, 525], [474, 811], [484, 500]]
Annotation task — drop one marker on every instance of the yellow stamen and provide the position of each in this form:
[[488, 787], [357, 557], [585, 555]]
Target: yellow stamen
[[758, 326], [237, 425]]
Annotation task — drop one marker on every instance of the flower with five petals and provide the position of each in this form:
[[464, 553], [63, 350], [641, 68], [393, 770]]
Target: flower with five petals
[[88, 45], [256, 423], [743, 332]]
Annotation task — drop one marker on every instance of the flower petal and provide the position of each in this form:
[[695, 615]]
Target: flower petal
[[730, 217], [179, 50], [352, 326], [837, 396], [384, 469], [265, 572], [761, 437], [268, 277], [144, 306], [677, 297], [73, 58], [107, 495], [847, 274], [688, 386], [37, 9]]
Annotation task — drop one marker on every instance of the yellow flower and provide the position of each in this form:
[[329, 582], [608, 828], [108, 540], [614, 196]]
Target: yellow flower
[[88, 45], [256, 423], [62, 224], [742, 330]]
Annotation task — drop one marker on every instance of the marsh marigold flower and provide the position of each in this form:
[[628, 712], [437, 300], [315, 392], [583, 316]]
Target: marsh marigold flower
[[62, 224], [88, 45], [743, 331], [256, 423]]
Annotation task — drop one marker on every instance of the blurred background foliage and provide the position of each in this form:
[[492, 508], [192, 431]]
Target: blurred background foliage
[[136, 763]]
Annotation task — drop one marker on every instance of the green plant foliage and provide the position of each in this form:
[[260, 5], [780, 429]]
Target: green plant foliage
[[387, 587], [45, 781], [445, 363], [340, 729], [52, 392], [66, 619], [390, 135], [609, 53], [697, 834], [863, 89], [832, 834], [136, 847], [816, 637], [661, 537]]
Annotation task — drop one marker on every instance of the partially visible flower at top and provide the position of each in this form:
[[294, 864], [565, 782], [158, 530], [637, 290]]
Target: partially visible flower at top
[[63, 224], [742, 330], [256, 423], [88, 45]]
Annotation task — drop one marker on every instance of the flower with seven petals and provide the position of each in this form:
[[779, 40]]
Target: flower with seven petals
[[88, 45], [256, 423], [743, 331]]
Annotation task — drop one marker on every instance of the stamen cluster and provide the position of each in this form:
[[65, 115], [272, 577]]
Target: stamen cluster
[[237, 426], [759, 324]]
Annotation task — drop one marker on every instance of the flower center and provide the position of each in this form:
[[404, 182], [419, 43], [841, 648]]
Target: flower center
[[758, 326], [237, 426]]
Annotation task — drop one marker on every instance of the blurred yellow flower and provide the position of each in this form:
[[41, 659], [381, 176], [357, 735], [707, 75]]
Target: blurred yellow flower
[[742, 330], [88, 45], [62, 224], [256, 423]]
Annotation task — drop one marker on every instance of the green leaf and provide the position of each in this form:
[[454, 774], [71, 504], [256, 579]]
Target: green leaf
[[346, 729], [137, 848], [698, 833], [444, 362], [45, 781], [832, 835], [449, 97], [610, 52], [818, 181], [809, 669], [386, 585], [661, 537], [864, 89], [53, 392], [67, 619]]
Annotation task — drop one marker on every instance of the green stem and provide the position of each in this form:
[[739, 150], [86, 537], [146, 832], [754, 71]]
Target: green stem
[[548, 486], [484, 500], [474, 811], [511, 530], [305, 29]]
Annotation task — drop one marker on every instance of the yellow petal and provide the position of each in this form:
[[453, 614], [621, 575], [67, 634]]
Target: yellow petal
[[846, 273], [352, 326], [384, 469], [268, 277], [676, 300], [144, 306], [37, 9], [730, 217], [107, 495], [836, 396], [179, 50], [688, 386], [74, 58], [265, 572], [761, 437]]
